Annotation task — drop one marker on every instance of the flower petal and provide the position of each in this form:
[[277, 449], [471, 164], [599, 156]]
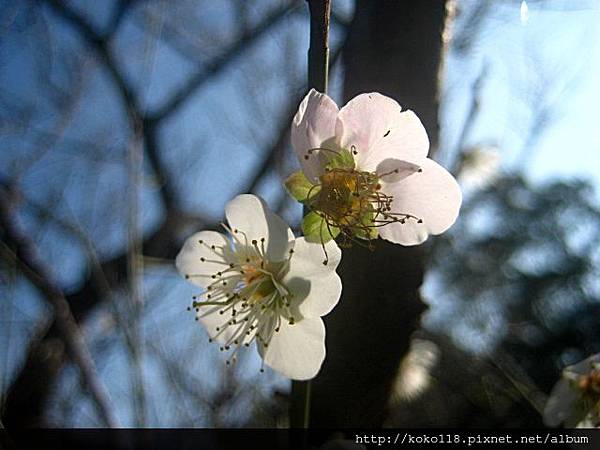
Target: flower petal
[[560, 404], [316, 287], [376, 128], [584, 367], [189, 261], [432, 195], [393, 170], [249, 214], [297, 351], [313, 125]]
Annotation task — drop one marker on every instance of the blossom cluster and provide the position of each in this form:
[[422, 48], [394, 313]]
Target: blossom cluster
[[365, 174]]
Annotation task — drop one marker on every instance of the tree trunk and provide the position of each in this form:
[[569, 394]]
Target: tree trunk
[[393, 47]]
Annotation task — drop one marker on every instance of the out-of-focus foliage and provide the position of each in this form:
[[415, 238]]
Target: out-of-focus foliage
[[516, 278], [520, 270]]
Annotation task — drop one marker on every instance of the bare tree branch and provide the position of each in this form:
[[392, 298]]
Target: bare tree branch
[[206, 72], [16, 248]]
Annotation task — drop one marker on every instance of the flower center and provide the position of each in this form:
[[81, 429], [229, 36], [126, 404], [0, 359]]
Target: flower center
[[589, 385], [247, 293], [349, 202], [347, 196]]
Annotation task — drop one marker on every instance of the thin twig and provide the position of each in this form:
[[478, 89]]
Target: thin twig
[[17, 249]]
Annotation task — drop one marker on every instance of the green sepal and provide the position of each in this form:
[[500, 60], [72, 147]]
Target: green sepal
[[371, 232], [315, 229], [341, 160], [300, 188]]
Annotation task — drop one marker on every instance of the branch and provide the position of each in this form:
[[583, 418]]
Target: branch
[[136, 120], [24, 257], [205, 73]]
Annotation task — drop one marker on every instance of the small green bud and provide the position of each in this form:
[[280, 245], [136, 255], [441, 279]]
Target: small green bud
[[300, 188], [315, 228]]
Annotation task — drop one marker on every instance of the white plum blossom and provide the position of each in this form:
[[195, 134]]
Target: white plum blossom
[[366, 172], [262, 284], [575, 399]]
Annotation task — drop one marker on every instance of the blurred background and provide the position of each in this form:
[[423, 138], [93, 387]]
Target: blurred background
[[126, 125]]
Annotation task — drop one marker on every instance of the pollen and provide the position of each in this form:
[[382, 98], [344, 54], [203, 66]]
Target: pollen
[[345, 195]]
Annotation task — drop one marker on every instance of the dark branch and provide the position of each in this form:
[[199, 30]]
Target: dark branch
[[17, 248], [206, 72]]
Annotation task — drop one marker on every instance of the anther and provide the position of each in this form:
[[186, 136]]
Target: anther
[[202, 259], [254, 242]]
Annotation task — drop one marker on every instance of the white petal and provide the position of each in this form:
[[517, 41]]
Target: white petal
[[297, 351], [250, 215], [432, 195], [393, 170], [189, 260], [312, 127], [316, 287], [376, 127], [559, 406], [584, 367]]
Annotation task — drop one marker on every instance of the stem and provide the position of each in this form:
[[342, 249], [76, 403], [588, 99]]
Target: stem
[[300, 405], [318, 51], [318, 73]]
